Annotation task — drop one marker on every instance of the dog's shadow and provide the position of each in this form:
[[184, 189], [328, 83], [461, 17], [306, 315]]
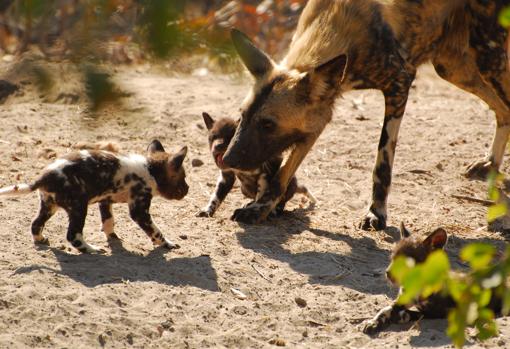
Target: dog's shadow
[[360, 269], [124, 266]]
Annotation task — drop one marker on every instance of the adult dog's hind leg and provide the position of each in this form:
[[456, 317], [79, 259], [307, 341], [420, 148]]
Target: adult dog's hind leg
[[395, 98], [488, 53], [495, 91]]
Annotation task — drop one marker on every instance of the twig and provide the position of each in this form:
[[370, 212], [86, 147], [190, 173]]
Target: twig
[[260, 273], [424, 172], [358, 320], [472, 199], [315, 323]]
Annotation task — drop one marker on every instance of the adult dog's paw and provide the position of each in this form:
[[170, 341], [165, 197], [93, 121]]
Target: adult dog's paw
[[204, 214], [251, 214], [373, 220]]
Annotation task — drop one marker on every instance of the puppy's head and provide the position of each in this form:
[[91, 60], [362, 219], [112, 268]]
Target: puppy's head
[[220, 134], [416, 247], [168, 171]]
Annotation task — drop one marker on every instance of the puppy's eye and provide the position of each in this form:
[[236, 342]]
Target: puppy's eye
[[267, 124]]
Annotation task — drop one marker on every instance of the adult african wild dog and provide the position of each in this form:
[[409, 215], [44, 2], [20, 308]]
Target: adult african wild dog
[[341, 45], [436, 305], [104, 177], [253, 183]]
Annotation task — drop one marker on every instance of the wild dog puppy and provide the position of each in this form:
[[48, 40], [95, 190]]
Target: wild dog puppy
[[86, 177], [342, 45], [253, 183], [434, 306]]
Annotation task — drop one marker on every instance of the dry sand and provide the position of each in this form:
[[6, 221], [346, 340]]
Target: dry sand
[[134, 296]]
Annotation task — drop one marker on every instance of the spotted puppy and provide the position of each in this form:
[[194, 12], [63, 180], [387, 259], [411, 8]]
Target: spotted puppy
[[97, 176], [253, 183], [436, 305]]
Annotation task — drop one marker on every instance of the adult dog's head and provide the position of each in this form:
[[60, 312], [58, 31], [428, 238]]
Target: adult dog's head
[[285, 106]]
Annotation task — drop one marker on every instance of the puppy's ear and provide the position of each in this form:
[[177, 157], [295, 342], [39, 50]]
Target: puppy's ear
[[155, 147], [208, 120], [404, 233], [437, 239], [176, 161]]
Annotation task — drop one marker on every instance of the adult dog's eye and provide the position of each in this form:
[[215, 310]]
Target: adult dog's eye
[[267, 124]]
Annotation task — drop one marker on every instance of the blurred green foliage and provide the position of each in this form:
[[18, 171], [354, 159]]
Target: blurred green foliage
[[472, 291], [504, 17], [86, 32]]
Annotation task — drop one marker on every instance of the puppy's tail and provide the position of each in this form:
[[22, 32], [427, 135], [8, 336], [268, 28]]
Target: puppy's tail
[[17, 190], [301, 189]]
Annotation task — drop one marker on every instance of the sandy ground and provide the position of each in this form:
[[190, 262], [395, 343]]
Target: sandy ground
[[135, 296]]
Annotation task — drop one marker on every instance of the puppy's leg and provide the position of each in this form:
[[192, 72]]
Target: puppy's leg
[[139, 212], [392, 314], [301, 189], [223, 187], [77, 214], [47, 209], [107, 221]]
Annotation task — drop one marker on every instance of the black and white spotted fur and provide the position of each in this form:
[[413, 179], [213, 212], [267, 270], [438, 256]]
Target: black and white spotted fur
[[96, 176], [254, 183], [436, 305]]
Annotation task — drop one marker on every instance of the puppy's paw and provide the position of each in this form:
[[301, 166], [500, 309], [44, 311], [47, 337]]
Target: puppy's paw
[[370, 327], [42, 240], [170, 245]]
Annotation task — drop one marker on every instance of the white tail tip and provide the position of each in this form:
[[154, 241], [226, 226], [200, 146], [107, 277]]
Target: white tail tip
[[15, 190]]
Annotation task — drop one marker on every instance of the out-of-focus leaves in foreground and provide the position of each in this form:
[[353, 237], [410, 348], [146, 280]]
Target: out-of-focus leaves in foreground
[[472, 291], [132, 31]]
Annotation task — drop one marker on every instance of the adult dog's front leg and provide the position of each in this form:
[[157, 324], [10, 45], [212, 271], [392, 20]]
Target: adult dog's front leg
[[260, 209], [395, 99]]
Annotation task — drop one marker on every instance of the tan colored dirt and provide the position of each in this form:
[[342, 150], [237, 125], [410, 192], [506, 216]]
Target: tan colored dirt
[[310, 277]]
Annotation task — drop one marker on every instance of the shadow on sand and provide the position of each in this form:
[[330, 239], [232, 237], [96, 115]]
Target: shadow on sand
[[123, 265], [362, 269]]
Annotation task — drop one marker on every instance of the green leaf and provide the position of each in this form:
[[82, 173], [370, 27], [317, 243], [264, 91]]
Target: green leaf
[[496, 211], [472, 313], [456, 288], [504, 17], [506, 302], [412, 285], [478, 255], [456, 328], [400, 267], [435, 272], [484, 298], [486, 325]]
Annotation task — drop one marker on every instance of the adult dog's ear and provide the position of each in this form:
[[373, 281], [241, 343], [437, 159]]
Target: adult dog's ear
[[323, 82], [255, 60], [208, 120], [155, 146]]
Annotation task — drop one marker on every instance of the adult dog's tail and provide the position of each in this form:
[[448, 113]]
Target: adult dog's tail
[[16, 190]]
